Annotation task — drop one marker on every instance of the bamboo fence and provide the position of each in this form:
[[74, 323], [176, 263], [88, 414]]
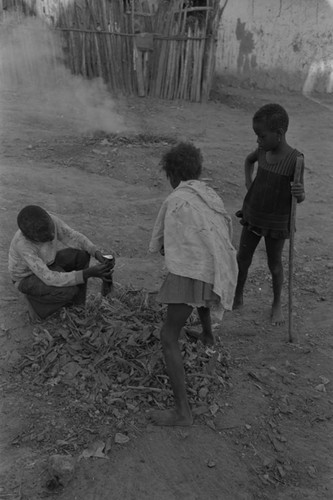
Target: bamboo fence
[[101, 40], [179, 71], [26, 7]]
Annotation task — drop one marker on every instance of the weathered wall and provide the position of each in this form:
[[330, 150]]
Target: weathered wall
[[277, 44]]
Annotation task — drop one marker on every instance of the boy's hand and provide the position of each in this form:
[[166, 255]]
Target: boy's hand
[[98, 271], [103, 260], [297, 190], [99, 256]]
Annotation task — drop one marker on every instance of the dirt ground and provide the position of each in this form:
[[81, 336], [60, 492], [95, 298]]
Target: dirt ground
[[273, 437]]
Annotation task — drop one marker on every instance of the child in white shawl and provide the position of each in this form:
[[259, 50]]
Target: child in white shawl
[[193, 231]]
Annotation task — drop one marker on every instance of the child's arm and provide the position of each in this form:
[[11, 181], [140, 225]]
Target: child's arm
[[29, 255], [157, 239], [250, 160]]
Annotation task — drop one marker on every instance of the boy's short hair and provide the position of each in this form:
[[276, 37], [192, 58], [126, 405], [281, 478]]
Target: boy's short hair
[[275, 116], [183, 162], [33, 221]]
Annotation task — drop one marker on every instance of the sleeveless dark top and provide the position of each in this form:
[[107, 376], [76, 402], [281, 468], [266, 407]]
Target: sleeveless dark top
[[267, 204]]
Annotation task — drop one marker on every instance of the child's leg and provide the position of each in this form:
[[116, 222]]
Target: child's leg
[[274, 249], [72, 259], [247, 245], [207, 336], [177, 314]]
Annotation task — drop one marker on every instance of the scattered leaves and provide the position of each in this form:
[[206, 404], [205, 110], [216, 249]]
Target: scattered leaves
[[110, 356]]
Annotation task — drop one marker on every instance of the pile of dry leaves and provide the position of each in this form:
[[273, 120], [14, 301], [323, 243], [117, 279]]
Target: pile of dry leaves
[[110, 354]]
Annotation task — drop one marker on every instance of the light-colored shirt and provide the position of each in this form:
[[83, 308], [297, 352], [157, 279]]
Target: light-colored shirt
[[196, 231], [27, 257]]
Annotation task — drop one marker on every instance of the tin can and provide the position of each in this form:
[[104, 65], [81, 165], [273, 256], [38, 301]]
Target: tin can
[[107, 282]]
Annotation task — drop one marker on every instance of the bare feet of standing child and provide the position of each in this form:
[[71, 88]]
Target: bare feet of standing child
[[207, 338], [277, 317]]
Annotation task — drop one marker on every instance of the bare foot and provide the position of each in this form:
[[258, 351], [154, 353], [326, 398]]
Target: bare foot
[[170, 418], [238, 301], [205, 337], [277, 317]]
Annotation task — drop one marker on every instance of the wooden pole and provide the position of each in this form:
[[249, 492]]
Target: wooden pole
[[297, 179]]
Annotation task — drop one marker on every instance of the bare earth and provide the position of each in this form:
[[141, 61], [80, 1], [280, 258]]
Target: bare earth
[[274, 437]]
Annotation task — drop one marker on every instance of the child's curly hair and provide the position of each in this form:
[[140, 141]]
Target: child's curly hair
[[183, 162], [275, 116]]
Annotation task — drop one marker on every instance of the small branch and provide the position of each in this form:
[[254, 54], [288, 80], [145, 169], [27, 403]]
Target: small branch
[[149, 389]]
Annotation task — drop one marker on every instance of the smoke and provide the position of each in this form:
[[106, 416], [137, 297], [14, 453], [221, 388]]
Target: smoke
[[34, 79]]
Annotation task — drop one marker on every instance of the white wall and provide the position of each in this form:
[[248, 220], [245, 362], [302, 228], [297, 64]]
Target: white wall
[[277, 44]]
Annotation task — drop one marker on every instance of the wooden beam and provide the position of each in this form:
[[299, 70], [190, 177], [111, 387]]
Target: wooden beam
[[142, 14], [194, 9], [155, 35]]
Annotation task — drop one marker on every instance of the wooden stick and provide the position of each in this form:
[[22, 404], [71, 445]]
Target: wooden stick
[[156, 36], [149, 389], [297, 179]]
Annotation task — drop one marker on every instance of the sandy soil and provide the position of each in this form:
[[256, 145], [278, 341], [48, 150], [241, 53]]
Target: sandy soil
[[273, 439]]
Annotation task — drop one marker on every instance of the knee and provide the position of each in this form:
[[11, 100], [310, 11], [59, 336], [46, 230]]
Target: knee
[[83, 259], [243, 260], [275, 267], [73, 291], [67, 293]]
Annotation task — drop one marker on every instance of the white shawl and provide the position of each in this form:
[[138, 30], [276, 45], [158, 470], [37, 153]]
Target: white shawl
[[196, 231]]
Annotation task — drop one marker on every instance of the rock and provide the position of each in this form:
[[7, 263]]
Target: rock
[[312, 471], [105, 142], [121, 438], [276, 444], [268, 462], [61, 468], [214, 408], [281, 471], [97, 152], [320, 388], [94, 450], [203, 392]]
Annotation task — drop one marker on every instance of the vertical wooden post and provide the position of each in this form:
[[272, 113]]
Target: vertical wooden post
[[297, 178]]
